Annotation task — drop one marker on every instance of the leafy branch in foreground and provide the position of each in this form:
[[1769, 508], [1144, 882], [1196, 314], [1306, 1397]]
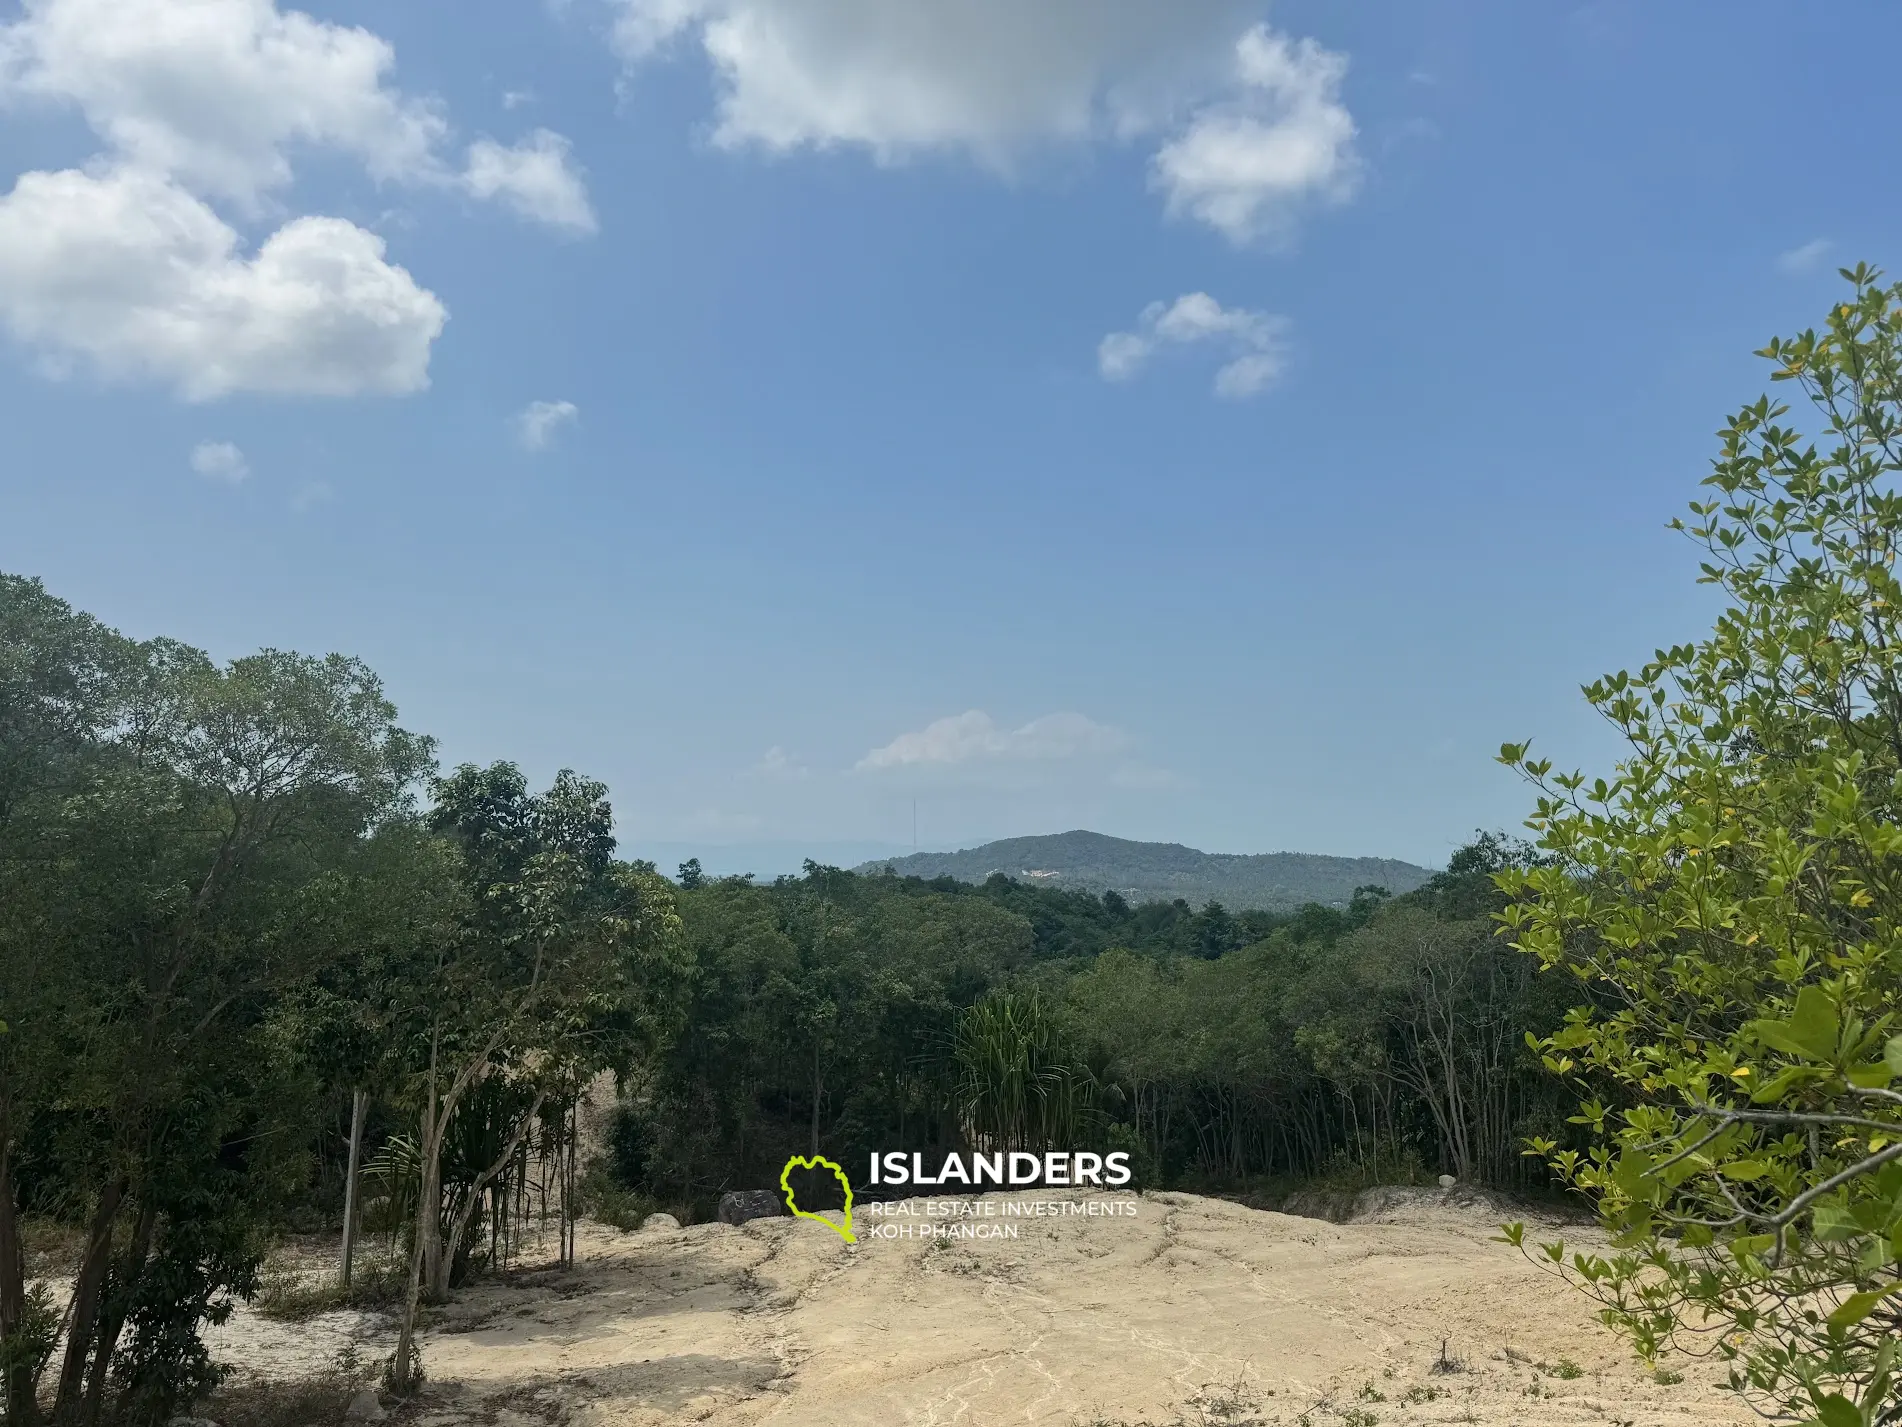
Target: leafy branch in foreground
[[1732, 899]]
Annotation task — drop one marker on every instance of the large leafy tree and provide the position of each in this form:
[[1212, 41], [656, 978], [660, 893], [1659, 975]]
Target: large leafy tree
[[178, 842], [1732, 898]]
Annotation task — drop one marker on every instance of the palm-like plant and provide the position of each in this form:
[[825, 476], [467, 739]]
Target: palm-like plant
[[1021, 1083]]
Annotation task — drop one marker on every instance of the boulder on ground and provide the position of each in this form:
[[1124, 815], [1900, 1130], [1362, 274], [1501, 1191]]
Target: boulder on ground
[[659, 1221], [365, 1407], [1447, 1181], [739, 1205]]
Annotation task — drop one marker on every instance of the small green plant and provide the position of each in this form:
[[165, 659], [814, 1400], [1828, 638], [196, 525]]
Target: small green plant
[[1667, 1377], [1421, 1392], [606, 1200], [1359, 1417], [1564, 1369], [31, 1344], [1370, 1393]]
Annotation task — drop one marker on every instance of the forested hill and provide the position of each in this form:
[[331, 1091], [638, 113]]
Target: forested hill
[[1164, 871]]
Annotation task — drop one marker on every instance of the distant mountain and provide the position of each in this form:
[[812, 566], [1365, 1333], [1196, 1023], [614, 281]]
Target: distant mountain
[[765, 860], [1150, 871]]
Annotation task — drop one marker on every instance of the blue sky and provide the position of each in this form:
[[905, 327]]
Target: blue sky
[[1195, 421]]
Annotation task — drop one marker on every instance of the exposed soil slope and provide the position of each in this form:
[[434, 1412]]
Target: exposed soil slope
[[1193, 1311]]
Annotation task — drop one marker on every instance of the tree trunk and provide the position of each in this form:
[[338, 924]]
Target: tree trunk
[[818, 1089], [84, 1312], [429, 1204], [404, 1374], [359, 1107], [21, 1408], [113, 1310], [466, 1215]]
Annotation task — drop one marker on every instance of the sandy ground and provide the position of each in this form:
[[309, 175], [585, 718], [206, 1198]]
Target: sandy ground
[[1193, 1311]]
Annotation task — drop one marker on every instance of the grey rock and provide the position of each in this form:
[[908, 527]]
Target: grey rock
[[191, 1422], [365, 1407], [739, 1205], [1447, 1181], [659, 1221]]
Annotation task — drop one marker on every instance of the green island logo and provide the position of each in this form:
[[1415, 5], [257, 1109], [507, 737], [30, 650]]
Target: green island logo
[[818, 1162]]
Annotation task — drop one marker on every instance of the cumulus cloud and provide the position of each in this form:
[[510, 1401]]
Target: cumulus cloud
[[126, 269], [1254, 129], [535, 178], [1255, 341], [975, 737], [1805, 258], [213, 92], [899, 76], [1248, 164], [124, 262], [537, 423], [220, 461]]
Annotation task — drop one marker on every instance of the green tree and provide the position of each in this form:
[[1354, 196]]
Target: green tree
[[175, 846], [565, 962], [1732, 898]]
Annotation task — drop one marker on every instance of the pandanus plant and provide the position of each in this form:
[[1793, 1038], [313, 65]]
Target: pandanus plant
[[1021, 1083]]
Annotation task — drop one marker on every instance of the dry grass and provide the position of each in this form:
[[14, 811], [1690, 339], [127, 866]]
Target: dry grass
[[313, 1402], [51, 1248], [294, 1295]]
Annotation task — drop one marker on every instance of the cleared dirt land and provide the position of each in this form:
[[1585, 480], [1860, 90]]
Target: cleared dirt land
[[1193, 1311]]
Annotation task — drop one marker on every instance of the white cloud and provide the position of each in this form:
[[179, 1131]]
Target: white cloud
[[1805, 258], [516, 98], [129, 271], [1120, 355], [1249, 376], [974, 736], [779, 765], [213, 92], [1266, 131], [1257, 342], [124, 262], [220, 461], [535, 178], [537, 423], [1248, 164], [901, 76]]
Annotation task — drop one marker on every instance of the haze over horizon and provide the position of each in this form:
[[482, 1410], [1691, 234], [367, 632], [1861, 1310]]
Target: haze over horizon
[[1201, 422]]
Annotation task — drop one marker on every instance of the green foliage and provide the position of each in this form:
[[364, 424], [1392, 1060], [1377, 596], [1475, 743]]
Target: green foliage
[[1731, 901], [834, 1013], [179, 843], [1021, 1083], [27, 1347]]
